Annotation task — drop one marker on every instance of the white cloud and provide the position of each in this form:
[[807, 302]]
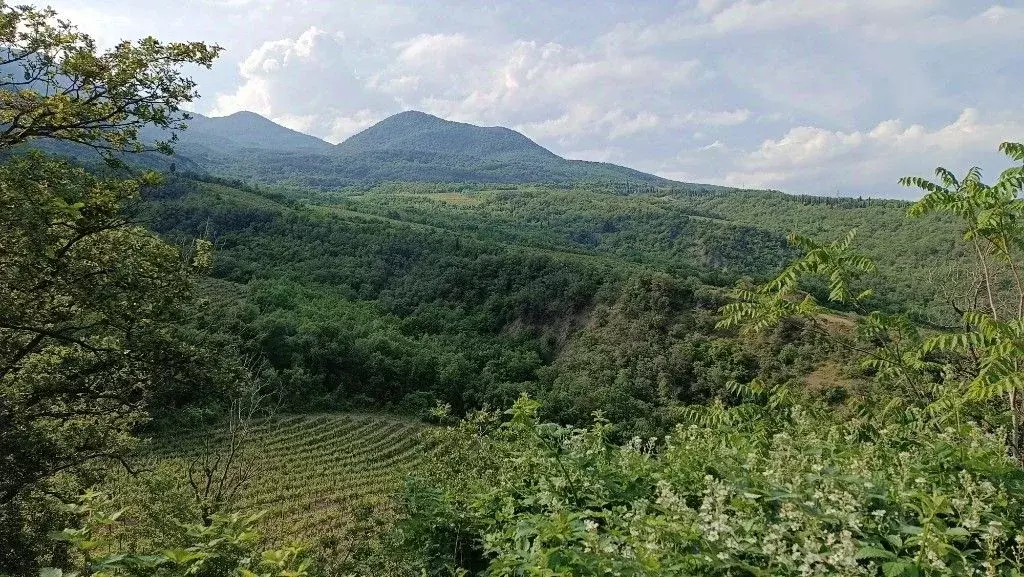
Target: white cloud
[[716, 145], [808, 155], [258, 70], [302, 123], [995, 23], [431, 49], [717, 18], [559, 91], [344, 126], [590, 120], [709, 6], [712, 118], [617, 123], [305, 83]]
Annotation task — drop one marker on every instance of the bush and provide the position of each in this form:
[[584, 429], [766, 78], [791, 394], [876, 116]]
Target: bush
[[788, 495]]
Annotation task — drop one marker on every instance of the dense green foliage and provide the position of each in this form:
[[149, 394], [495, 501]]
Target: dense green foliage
[[90, 302], [786, 492], [353, 303], [64, 331], [226, 547], [927, 482], [587, 298], [715, 235]]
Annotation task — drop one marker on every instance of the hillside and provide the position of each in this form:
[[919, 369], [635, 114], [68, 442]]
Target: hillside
[[408, 294], [403, 296]]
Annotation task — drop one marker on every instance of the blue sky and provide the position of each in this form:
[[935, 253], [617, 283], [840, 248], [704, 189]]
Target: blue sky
[[807, 96]]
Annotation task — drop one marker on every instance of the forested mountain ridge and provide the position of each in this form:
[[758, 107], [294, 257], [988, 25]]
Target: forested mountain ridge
[[409, 146], [245, 130], [408, 294], [415, 131]]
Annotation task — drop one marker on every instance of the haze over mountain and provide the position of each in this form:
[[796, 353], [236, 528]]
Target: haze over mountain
[[248, 130], [410, 147]]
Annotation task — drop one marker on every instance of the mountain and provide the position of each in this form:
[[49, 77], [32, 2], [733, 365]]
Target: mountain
[[414, 131], [415, 146], [407, 147], [243, 130], [220, 139], [220, 145]]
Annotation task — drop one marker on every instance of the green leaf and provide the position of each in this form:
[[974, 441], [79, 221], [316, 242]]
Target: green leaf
[[911, 529], [898, 568], [874, 553], [958, 532]]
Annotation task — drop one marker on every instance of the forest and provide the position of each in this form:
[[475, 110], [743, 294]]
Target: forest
[[231, 369]]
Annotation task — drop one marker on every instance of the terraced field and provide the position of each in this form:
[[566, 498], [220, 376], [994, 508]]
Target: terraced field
[[317, 473]]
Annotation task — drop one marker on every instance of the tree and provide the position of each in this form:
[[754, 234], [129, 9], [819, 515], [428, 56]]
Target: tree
[[54, 83], [992, 218], [226, 463], [984, 361], [88, 298]]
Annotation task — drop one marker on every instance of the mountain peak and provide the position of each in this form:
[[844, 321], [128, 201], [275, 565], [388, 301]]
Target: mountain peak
[[413, 131], [414, 114], [246, 129], [247, 118], [245, 114]]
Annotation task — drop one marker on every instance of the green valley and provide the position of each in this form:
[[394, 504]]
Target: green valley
[[441, 349]]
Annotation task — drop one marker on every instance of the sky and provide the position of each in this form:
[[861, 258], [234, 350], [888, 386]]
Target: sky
[[830, 97]]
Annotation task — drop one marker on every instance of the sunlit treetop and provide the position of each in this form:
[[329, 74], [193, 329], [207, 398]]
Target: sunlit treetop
[[55, 83]]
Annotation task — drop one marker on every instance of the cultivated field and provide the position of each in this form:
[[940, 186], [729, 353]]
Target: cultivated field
[[319, 478]]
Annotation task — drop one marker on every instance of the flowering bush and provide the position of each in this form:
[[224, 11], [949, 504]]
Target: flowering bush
[[792, 496]]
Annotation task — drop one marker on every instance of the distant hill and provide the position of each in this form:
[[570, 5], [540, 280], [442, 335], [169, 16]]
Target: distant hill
[[213, 144], [414, 131], [415, 146], [243, 130], [407, 147]]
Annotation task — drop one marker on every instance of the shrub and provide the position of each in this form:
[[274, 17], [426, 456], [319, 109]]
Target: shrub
[[791, 495]]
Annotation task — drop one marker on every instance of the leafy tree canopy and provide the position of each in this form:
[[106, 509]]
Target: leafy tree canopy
[[54, 83], [87, 296]]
